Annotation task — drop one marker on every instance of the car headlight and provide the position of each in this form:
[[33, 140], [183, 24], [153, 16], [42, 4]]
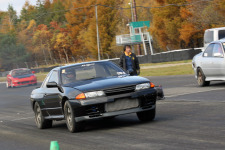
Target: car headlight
[[142, 86], [83, 96], [94, 94]]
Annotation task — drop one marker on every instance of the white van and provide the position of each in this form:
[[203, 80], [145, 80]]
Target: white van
[[213, 34]]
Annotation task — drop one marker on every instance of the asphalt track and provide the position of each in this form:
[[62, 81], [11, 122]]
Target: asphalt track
[[190, 118]]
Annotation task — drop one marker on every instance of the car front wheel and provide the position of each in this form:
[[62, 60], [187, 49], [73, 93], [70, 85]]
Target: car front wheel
[[39, 119], [148, 115], [7, 84], [71, 123], [201, 79]]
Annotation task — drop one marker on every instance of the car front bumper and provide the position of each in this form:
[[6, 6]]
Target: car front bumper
[[115, 113], [96, 108], [21, 83]]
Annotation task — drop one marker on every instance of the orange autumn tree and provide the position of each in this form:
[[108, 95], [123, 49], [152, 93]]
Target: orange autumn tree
[[187, 30], [166, 22], [108, 20], [220, 6], [25, 35], [79, 19], [63, 43], [198, 16], [41, 39]]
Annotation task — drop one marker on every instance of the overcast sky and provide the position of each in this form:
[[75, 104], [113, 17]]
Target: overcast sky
[[17, 4]]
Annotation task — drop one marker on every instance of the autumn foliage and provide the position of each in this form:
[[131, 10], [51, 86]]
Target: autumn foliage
[[65, 30]]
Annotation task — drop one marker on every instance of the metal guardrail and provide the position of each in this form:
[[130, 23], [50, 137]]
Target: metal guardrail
[[175, 55]]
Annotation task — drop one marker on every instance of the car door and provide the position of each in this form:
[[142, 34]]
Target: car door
[[218, 62], [206, 61], [52, 96]]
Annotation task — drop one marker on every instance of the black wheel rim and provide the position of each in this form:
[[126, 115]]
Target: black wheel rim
[[38, 115], [200, 80], [69, 117]]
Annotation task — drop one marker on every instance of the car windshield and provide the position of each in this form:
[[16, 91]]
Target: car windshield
[[90, 71], [21, 72]]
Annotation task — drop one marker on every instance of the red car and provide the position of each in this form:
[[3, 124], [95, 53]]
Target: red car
[[19, 77]]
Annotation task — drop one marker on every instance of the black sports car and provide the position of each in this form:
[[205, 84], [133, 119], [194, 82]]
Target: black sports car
[[90, 90]]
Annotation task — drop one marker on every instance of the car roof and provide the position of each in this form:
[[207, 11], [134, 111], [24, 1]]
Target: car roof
[[71, 65], [219, 41]]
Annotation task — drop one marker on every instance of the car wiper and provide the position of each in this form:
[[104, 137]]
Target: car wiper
[[93, 78]]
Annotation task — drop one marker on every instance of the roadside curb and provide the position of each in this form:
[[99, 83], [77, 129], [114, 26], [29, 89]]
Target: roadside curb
[[164, 65]]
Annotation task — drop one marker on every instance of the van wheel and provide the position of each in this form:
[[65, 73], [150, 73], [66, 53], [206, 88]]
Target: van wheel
[[201, 78]]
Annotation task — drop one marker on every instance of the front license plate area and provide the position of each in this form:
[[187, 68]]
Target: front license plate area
[[121, 104]]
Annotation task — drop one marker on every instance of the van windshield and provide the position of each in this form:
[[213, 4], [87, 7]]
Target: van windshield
[[221, 34]]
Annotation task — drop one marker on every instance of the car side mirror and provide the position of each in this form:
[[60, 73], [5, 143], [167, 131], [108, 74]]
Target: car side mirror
[[51, 85], [54, 85], [218, 55], [33, 72], [205, 54], [128, 73]]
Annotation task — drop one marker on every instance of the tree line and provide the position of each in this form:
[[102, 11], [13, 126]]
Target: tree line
[[60, 29]]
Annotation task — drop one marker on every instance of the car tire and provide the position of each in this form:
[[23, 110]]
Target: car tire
[[12, 85], [201, 78], [148, 115], [71, 123], [109, 118], [7, 84], [39, 119]]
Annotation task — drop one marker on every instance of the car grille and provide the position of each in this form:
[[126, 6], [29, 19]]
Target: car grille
[[24, 82], [120, 90], [121, 104], [91, 110], [148, 101]]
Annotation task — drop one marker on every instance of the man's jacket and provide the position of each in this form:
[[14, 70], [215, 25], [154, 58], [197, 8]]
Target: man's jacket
[[134, 60]]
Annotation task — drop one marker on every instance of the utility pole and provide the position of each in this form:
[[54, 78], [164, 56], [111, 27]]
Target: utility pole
[[135, 11], [131, 8], [96, 14], [135, 19]]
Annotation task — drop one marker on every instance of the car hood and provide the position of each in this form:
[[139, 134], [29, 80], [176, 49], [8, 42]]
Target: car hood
[[196, 56], [107, 83]]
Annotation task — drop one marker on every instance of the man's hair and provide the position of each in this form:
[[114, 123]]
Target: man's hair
[[125, 46]]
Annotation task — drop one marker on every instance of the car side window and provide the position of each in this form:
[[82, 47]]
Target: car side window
[[54, 77], [217, 50], [209, 51], [46, 79]]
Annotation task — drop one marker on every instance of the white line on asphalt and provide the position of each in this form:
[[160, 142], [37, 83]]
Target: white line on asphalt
[[194, 92], [21, 118], [2, 82]]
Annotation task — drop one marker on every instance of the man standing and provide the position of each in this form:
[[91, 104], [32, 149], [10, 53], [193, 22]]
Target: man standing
[[129, 61]]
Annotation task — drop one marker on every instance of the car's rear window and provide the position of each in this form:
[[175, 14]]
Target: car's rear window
[[90, 71]]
